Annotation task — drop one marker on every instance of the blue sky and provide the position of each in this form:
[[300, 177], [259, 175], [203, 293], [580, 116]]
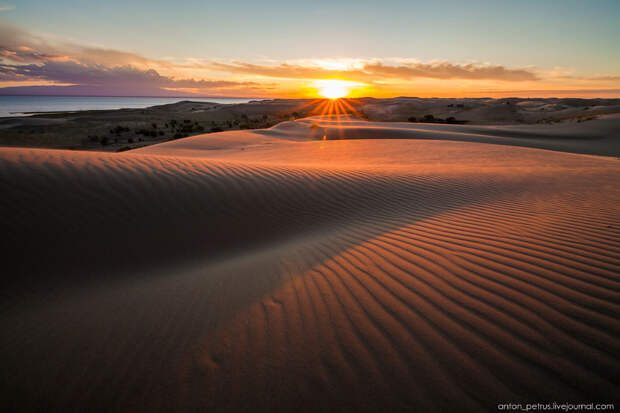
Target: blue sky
[[579, 38]]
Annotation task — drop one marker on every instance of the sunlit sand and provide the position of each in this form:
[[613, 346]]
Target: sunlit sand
[[323, 262]]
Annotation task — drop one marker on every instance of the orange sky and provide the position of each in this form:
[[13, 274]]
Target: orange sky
[[280, 49]]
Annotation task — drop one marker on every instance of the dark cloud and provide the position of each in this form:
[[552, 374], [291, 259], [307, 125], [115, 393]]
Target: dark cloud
[[27, 57], [71, 72], [126, 80], [24, 55]]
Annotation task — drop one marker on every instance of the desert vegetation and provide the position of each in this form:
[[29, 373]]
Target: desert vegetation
[[111, 130], [433, 119]]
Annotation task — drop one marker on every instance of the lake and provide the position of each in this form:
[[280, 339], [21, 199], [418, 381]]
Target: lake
[[22, 105]]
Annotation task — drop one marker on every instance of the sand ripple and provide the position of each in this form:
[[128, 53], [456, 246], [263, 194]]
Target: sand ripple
[[300, 276]]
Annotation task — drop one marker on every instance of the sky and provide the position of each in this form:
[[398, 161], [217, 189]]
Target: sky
[[285, 48]]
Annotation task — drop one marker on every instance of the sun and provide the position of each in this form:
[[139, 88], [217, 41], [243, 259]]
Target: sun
[[333, 88]]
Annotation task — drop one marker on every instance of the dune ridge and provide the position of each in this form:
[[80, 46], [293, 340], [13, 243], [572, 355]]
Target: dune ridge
[[270, 270]]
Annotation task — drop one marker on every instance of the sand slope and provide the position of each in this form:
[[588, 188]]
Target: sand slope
[[269, 271], [595, 137]]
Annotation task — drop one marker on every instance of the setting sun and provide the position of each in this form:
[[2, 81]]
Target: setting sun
[[333, 88]]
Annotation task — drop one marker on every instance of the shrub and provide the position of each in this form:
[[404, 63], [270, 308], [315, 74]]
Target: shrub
[[118, 130], [412, 119], [147, 132]]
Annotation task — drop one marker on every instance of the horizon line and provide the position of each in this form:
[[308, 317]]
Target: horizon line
[[305, 98]]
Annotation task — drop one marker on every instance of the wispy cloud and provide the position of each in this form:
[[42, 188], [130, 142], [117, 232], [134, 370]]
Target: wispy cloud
[[589, 93], [116, 80], [377, 70], [6, 7], [605, 78], [445, 70], [72, 72], [29, 58]]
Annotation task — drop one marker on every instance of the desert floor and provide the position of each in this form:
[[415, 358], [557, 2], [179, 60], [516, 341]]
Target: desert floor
[[125, 129], [323, 264]]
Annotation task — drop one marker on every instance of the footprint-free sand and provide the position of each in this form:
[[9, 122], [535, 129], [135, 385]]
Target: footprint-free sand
[[320, 265]]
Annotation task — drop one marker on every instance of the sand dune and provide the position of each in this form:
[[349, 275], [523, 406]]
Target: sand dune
[[113, 130], [596, 137], [277, 271]]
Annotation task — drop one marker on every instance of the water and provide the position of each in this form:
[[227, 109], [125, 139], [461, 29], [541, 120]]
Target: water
[[21, 105]]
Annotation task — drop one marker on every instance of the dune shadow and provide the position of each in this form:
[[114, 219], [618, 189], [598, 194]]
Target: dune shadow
[[118, 260]]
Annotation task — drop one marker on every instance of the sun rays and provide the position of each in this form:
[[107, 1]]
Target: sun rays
[[335, 105], [331, 112], [331, 108]]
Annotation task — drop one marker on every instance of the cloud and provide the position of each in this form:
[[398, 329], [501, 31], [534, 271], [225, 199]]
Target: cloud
[[589, 93], [20, 46], [30, 57], [119, 79], [6, 7], [24, 54], [446, 70], [16, 39], [100, 75], [563, 74], [49, 64], [375, 70], [611, 78]]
